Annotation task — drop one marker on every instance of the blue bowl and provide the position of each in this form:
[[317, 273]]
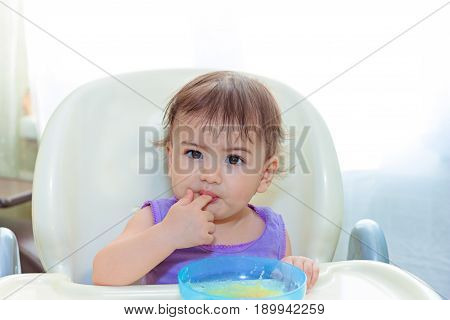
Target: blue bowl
[[244, 277]]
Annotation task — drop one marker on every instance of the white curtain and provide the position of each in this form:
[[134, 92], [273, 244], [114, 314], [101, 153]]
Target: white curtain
[[13, 88], [387, 111]]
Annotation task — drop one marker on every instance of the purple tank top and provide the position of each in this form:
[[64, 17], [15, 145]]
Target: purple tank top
[[271, 244]]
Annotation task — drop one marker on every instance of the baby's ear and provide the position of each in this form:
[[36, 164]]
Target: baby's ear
[[270, 167]]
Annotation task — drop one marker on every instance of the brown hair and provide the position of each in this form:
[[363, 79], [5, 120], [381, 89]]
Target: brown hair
[[228, 98]]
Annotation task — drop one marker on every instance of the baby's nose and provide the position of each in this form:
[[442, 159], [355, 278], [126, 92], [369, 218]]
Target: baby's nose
[[212, 175]]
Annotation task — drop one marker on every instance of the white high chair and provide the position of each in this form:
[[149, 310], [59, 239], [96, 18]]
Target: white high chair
[[93, 171]]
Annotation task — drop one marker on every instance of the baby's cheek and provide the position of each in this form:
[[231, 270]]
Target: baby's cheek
[[178, 190]]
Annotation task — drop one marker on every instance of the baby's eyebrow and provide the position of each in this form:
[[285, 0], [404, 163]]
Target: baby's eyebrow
[[206, 147]]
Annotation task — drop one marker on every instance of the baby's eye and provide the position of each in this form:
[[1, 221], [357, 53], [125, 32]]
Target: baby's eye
[[234, 159], [195, 154]]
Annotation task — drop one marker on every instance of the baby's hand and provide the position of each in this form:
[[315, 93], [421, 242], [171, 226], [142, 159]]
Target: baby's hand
[[188, 224], [308, 266]]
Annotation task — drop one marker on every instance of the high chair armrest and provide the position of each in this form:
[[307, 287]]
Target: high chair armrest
[[337, 280], [59, 286], [9, 253], [367, 242]]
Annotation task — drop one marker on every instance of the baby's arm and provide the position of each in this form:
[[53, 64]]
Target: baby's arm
[[143, 245], [309, 266], [138, 249]]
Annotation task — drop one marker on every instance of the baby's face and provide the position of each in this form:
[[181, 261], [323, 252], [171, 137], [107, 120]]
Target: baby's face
[[231, 170]]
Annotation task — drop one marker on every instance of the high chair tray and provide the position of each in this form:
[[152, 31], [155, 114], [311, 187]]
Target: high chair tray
[[337, 280]]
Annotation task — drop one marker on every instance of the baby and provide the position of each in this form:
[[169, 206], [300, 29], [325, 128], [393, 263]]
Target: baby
[[223, 138]]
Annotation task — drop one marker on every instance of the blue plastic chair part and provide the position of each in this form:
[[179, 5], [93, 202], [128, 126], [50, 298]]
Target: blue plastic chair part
[[9, 253], [367, 242]]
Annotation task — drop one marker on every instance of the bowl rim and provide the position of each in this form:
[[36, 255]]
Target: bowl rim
[[185, 286]]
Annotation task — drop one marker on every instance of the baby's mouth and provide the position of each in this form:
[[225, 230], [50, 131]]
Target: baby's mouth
[[213, 200], [212, 194]]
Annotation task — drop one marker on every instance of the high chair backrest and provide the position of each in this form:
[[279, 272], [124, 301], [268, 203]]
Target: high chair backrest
[[95, 166]]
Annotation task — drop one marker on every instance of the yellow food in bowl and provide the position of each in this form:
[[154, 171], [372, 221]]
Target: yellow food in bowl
[[243, 289]]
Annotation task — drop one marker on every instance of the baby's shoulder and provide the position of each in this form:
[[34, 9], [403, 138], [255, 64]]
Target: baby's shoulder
[[268, 211], [270, 215], [144, 215], [158, 208], [141, 220]]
